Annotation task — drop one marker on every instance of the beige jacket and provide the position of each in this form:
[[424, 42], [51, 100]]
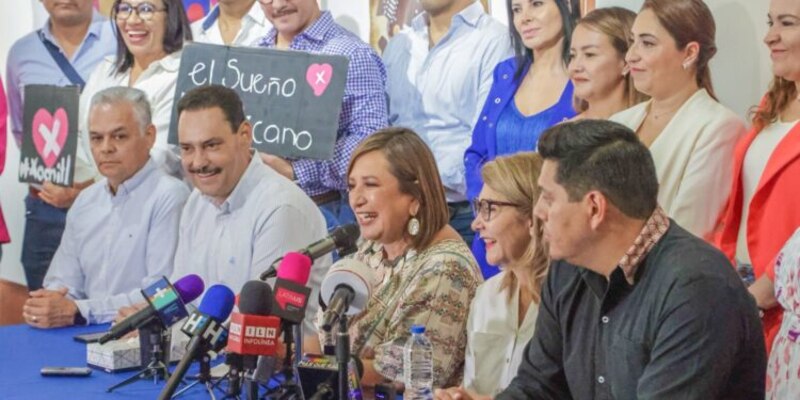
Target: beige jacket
[[693, 157]]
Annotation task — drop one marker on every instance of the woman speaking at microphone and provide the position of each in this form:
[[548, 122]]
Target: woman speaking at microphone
[[425, 271]]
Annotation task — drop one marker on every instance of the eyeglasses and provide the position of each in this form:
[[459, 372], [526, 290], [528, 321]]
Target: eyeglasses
[[485, 208], [145, 11]]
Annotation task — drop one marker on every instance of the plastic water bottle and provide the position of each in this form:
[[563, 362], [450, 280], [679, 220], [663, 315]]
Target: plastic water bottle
[[418, 366]]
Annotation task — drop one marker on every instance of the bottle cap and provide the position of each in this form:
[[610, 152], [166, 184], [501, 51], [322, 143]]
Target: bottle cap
[[417, 329]]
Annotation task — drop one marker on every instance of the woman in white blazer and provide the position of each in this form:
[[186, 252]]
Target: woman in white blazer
[[690, 134]]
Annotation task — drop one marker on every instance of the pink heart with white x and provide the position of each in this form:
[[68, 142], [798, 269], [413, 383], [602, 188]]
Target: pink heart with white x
[[50, 134]]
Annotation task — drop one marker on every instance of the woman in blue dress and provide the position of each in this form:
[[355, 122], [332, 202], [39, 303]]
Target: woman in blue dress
[[530, 93]]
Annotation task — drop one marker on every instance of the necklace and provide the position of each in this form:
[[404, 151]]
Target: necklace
[[662, 114]]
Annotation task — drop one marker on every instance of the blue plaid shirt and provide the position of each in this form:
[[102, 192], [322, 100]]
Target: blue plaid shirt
[[364, 107]]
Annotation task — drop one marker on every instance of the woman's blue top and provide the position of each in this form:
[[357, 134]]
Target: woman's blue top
[[501, 129]]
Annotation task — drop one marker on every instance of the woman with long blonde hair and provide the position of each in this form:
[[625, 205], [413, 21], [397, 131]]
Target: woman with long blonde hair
[[503, 313]]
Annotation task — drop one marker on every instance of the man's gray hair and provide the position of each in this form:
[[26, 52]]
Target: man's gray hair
[[123, 94]]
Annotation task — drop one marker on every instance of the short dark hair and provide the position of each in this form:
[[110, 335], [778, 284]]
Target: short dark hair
[[570, 14], [205, 97], [605, 156], [176, 34]]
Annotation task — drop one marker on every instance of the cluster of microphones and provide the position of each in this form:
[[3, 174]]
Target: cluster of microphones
[[268, 319]]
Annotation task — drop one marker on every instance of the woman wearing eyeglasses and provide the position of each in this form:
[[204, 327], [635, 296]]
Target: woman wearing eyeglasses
[[503, 313], [150, 36]]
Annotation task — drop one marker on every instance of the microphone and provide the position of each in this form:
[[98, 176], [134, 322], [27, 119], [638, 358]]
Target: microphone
[[343, 239], [165, 302], [207, 333], [348, 288], [252, 343], [291, 292]]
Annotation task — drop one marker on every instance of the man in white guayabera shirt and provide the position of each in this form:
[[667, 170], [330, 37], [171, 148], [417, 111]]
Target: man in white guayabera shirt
[[122, 231], [242, 214]]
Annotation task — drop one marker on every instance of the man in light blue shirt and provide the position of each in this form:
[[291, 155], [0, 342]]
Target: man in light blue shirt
[[82, 38], [122, 231], [242, 214], [439, 74]]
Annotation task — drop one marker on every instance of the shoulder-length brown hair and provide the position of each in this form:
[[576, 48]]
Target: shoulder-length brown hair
[[412, 163], [515, 177], [615, 23], [689, 21]]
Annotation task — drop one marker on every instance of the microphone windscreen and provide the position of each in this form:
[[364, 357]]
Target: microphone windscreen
[[256, 298], [295, 267], [189, 287], [355, 274], [346, 236], [217, 303]]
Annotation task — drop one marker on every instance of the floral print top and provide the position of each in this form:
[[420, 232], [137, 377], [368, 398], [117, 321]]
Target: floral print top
[[783, 369], [433, 288]]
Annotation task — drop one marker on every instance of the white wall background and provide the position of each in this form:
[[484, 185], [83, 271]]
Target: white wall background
[[741, 73], [15, 20]]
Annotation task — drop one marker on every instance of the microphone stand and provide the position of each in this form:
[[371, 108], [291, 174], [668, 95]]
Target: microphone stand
[[343, 355], [157, 339], [234, 376], [288, 388], [324, 389], [203, 377]]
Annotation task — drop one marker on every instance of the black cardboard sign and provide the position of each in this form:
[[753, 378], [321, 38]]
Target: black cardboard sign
[[50, 134], [292, 99]]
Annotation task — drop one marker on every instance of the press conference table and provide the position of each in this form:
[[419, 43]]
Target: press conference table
[[25, 350]]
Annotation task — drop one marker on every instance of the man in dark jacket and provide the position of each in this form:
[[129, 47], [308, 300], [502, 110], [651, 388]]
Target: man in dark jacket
[[634, 306]]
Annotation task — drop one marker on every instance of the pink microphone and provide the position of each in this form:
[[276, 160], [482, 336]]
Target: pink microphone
[[291, 292], [295, 267]]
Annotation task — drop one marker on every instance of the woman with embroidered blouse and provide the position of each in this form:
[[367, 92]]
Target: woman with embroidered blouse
[[425, 272]]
